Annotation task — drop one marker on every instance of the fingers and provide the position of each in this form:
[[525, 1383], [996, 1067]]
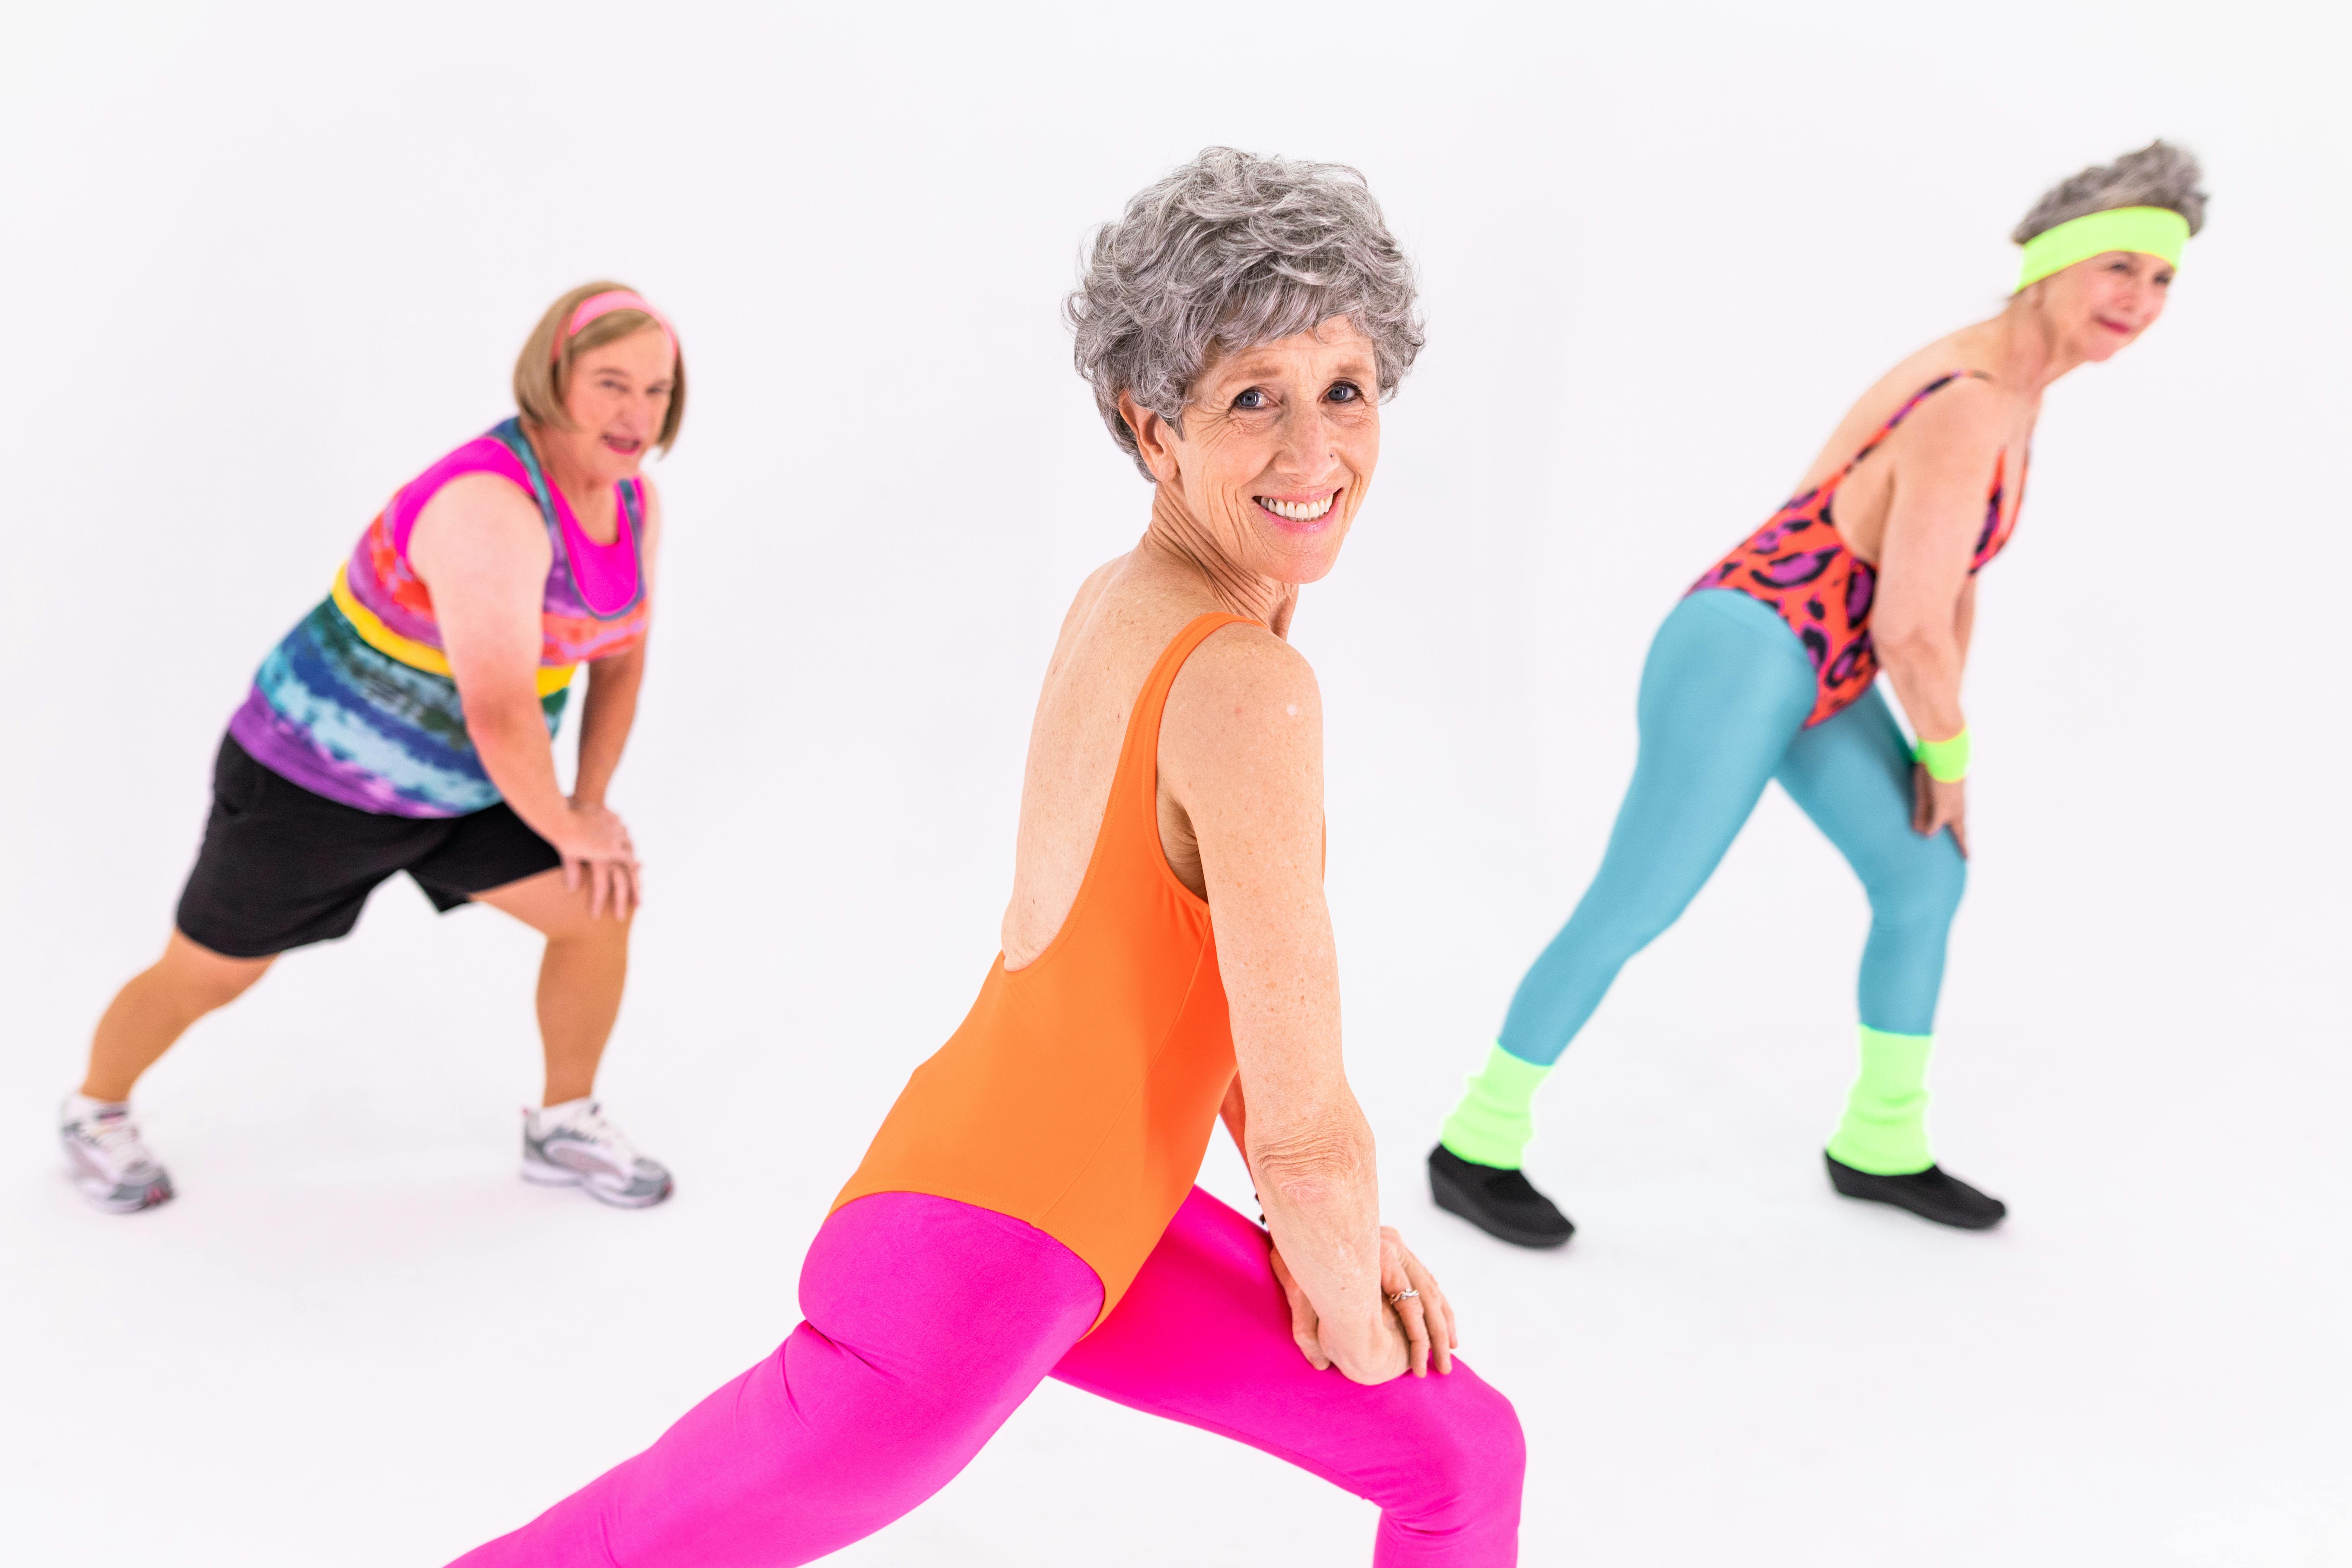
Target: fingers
[[1437, 1312], [1922, 802], [1415, 1319], [571, 868], [1306, 1327], [1961, 835]]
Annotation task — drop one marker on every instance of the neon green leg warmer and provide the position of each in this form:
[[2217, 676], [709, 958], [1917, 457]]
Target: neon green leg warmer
[[1495, 1119], [1886, 1128]]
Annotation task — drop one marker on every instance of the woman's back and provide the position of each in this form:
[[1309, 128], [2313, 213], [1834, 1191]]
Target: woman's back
[[1079, 1093], [1123, 617], [1866, 496]]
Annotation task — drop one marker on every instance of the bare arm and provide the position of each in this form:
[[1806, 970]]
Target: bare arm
[[1242, 750], [1926, 608], [610, 709], [1933, 515], [481, 550]]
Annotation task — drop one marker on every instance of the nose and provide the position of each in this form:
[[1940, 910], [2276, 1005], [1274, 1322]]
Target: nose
[[1305, 447]]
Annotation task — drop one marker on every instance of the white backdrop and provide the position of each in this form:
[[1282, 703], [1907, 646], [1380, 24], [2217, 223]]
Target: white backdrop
[[264, 262]]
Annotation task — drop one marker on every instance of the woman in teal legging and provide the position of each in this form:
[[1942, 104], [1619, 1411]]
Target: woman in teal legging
[[1768, 669]]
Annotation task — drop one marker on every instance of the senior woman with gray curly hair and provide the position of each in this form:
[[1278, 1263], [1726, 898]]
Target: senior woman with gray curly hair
[[1768, 669], [1027, 1209]]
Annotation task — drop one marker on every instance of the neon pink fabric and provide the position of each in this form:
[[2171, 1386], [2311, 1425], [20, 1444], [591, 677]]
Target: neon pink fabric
[[929, 1320], [604, 304], [603, 576]]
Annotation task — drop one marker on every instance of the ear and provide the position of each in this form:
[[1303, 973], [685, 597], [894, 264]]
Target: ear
[[1154, 439]]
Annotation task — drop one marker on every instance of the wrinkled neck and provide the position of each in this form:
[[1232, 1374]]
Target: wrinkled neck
[[2030, 353], [1177, 535]]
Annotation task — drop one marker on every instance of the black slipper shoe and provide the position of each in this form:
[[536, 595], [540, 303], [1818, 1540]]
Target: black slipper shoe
[[1930, 1193], [1501, 1202]]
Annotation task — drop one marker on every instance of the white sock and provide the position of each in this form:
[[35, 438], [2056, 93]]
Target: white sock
[[79, 1107], [564, 1110]]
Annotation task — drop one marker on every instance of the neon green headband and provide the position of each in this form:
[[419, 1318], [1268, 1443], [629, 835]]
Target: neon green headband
[[2153, 231]]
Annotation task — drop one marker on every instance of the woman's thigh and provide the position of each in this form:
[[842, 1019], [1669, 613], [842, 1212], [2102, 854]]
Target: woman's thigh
[[1725, 688], [1203, 1337], [1852, 773], [928, 1322]]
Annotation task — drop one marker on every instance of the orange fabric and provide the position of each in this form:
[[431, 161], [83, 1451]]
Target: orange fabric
[[1080, 1091]]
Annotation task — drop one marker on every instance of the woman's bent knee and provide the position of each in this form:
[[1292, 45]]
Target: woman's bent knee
[[1470, 1456], [1926, 890], [201, 979]]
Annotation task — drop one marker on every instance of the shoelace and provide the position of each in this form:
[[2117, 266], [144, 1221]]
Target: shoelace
[[116, 1138], [591, 1126]]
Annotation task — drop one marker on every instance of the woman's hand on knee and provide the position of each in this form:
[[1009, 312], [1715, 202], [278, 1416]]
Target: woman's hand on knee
[[1417, 1321], [1935, 806], [596, 850], [1418, 1308], [1305, 1327]]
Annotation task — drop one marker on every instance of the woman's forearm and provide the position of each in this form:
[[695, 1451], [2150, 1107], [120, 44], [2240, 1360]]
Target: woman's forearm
[[605, 719], [1321, 1196], [1926, 673], [512, 741]]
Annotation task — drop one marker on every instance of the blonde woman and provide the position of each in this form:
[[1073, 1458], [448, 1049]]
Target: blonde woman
[[407, 724]]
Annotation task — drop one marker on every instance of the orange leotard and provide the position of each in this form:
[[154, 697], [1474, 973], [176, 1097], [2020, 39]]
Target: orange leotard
[[1080, 1091]]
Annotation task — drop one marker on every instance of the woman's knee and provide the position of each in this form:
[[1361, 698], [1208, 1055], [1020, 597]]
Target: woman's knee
[[1470, 1456], [197, 980], [1923, 889]]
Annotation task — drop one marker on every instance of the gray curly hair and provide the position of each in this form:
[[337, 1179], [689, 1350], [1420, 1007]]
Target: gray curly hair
[[1228, 252], [2158, 176]]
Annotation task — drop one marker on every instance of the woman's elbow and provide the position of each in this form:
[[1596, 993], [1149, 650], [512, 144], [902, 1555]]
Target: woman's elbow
[[1911, 646]]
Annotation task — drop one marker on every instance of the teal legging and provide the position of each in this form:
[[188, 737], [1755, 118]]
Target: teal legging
[[1724, 695]]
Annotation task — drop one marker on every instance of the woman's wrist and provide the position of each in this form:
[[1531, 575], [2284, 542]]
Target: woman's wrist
[[1946, 761]]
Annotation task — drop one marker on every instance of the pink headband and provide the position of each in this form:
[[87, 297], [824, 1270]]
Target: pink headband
[[604, 304]]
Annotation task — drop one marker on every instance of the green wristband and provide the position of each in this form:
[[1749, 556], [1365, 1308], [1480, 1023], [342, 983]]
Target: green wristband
[[1947, 761]]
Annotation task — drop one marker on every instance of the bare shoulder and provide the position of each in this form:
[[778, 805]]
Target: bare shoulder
[[651, 541], [1091, 592], [482, 495], [476, 519], [1964, 422], [1245, 699]]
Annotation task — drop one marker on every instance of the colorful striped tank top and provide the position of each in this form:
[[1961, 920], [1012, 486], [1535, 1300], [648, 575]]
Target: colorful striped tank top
[[356, 703]]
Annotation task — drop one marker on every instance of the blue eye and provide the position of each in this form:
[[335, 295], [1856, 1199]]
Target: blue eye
[[1345, 392], [1253, 398]]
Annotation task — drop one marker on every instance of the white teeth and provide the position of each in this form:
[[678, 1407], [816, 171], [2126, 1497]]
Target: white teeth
[[1299, 511]]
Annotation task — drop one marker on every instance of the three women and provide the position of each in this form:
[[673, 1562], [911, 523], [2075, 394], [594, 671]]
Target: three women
[[407, 724], [1027, 1208]]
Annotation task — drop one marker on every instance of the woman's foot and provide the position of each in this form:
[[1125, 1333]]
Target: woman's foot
[[110, 1162], [572, 1145], [1501, 1202], [1930, 1193]]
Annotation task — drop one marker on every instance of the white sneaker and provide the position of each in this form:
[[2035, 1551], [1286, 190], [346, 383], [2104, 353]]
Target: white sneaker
[[572, 1145], [110, 1162]]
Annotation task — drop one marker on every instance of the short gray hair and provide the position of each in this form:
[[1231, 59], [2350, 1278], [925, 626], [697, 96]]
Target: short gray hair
[[1228, 252], [2158, 176]]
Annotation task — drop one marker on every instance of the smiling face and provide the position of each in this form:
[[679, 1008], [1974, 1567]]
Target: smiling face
[[1278, 447], [2099, 306], [618, 399]]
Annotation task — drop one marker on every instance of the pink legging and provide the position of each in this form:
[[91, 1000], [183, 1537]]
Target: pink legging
[[929, 1320]]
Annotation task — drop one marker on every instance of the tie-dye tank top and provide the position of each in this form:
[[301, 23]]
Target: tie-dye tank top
[[356, 703], [1799, 564]]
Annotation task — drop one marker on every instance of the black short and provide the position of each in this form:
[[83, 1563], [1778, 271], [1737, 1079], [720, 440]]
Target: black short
[[282, 866]]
